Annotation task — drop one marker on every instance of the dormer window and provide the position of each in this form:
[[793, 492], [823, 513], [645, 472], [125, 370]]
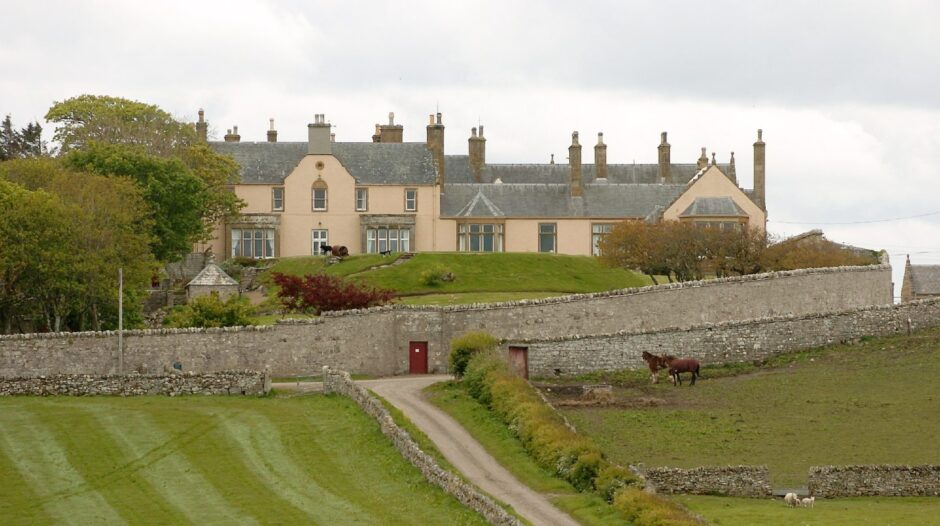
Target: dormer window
[[319, 196]]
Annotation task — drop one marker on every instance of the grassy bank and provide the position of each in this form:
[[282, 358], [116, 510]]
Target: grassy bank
[[868, 511], [845, 404], [309, 460]]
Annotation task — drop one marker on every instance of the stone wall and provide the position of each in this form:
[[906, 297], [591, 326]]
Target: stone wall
[[376, 341], [735, 341], [341, 383], [735, 481], [875, 480], [221, 383]]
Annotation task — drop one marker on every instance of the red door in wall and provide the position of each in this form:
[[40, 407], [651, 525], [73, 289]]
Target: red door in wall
[[519, 359], [418, 357]]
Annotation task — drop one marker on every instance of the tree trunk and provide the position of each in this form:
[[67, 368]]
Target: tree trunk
[[652, 277]]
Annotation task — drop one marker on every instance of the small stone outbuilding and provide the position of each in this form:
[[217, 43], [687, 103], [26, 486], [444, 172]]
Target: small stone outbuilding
[[212, 279], [920, 281]]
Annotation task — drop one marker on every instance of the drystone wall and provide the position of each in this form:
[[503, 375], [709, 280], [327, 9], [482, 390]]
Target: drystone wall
[[875, 480], [376, 341], [736, 341], [735, 481], [221, 383], [341, 383]]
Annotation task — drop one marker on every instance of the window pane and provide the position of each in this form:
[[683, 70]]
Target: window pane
[[406, 241], [474, 243], [236, 242], [487, 228], [474, 228], [487, 242], [370, 241]]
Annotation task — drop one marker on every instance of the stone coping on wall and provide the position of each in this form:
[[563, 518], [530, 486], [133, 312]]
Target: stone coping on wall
[[341, 382], [570, 298], [729, 323], [219, 383]]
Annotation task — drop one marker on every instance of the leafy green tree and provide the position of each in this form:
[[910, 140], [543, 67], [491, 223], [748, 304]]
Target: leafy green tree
[[176, 196], [210, 311], [218, 172]]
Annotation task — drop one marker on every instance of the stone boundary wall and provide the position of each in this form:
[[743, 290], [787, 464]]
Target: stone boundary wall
[[221, 383], [341, 383], [376, 341], [734, 481], [875, 480], [734, 341]]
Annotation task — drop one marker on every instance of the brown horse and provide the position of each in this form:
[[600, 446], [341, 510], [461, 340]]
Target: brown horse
[[683, 365], [655, 363]]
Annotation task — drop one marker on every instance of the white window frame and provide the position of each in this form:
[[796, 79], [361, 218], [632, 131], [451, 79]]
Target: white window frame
[[474, 234], [382, 238], [411, 202], [543, 231], [318, 236], [249, 242], [362, 199], [598, 231], [274, 199], [325, 199]]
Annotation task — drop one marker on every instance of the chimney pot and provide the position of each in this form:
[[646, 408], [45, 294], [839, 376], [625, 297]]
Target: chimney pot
[[431, 119], [235, 130], [600, 137], [760, 134], [714, 162], [574, 138], [439, 118], [391, 118], [662, 139], [552, 161], [473, 132], [481, 130]]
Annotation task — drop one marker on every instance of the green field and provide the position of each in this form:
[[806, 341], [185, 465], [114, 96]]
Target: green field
[[868, 511], [200, 460], [846, 404]]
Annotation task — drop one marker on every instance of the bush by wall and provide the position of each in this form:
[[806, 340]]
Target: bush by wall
[[462, 348], [557, 447], [210, 311]]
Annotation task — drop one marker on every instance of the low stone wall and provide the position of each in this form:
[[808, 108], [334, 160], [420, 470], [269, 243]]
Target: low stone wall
[[341, 383], [875, 480], [221, 383], [733, 341], [735, 481]]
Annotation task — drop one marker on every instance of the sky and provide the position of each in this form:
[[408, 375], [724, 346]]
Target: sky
[[847, 92]]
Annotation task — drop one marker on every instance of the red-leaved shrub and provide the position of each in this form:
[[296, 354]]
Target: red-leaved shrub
[[316, 293]]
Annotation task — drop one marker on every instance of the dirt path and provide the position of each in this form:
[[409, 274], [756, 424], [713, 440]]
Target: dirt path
[[461, 450]]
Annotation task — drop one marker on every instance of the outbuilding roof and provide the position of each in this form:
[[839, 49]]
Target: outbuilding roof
[[212, 276], [925, 279]]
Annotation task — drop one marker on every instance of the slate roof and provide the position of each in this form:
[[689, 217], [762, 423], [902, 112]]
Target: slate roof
[[713, 206], [368, 163], [554, 200], [212, 275], [925, 279]]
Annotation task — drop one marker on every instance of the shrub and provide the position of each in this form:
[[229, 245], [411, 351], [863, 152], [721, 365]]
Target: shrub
[[436, 275], [316, 293], [462, 348], [210, 311], [612, 478], [647, 509]]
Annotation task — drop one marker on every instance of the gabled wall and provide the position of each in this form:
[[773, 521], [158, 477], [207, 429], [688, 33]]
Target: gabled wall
[[714, 183]]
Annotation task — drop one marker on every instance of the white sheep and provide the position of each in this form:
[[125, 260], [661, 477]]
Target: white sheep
[[792, 500], [808, 502]]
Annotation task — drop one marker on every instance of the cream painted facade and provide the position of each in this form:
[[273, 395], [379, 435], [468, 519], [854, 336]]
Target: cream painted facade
[[459, 202]]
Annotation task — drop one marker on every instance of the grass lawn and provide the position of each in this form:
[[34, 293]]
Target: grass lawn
[[207, 460], [868, 511], [486, 428], [465, 298], [846, 404]]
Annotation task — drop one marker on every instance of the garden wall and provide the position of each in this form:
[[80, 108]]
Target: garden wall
[[221, 383], [735, 341], [341, 383], [875, 480], [376, 341], [735, 481]]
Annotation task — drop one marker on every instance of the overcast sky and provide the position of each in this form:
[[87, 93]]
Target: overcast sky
[[847, 93]]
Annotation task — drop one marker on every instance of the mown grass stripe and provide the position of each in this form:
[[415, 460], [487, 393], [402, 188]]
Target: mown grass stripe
[[15, 490], [44, 463], [105, 467], [264, 453], [169, 472]]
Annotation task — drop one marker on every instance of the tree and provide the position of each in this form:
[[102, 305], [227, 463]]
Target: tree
[[177, 198], [210, 311], [316, 293], [813, 251], [218, 172], [20, 144]]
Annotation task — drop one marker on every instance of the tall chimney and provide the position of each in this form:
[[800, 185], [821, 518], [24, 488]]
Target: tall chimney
[[202, 127], [665, 173], [600, 157], [477, 153], [272, 133], [702, 160], [733, 173], [436, 145], [318, 136], [391, 132], [759, 173], [574, 163], [377, 136], [232, 135]]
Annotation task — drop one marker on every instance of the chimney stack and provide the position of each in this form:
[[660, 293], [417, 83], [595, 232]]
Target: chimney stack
[[714, 162], [733, 173], [391, 132], [665, 166], [600, 157], [272, 133], [477, 154], [377, 136], [318, 136], [702, 160], [232, 135], [202, 127], [759, 173], [574, 163], [436, 145]]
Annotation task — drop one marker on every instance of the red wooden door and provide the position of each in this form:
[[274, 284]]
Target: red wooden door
[[418, 357], [519, 358]]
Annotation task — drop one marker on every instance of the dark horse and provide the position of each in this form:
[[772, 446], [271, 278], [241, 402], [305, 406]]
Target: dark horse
[[655, 363], [683, 365]]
